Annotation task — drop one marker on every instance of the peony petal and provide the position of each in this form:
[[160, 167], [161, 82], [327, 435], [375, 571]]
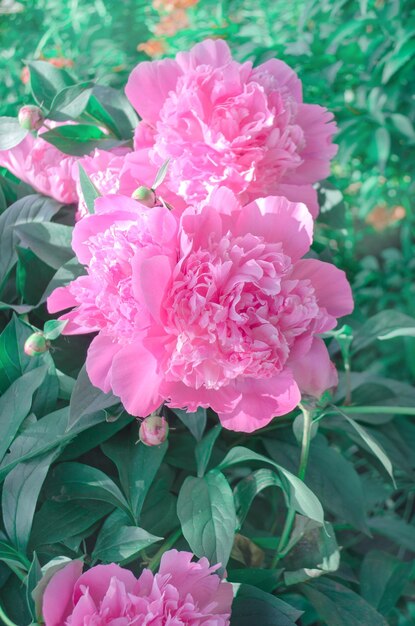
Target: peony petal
[[284, 75], [180, 396], [61, 299], [278, 220], [214, 52], [332, 288], [99, 360], [151, 277], [98, 579], [57, 599], [136, 378], [149, 85], [260, 401], [302, 193], [314, 372], [91, 225]]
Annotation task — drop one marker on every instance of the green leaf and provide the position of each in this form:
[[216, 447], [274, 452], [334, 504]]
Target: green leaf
[[56, 521], [33, 577], [71, 102], [137, 465], [385, 325], [195, 422], [46, 81], [76, 481], [207, 514], [372, 444], [330, 476], [383, 578], [403, 124], [120, 542], [30, 209], [339, 606], [90, 192], [203, 449], [49, 241], [68, 272], [11, 133], [383, 146], [87, 399], [9, 555], [161, 174], [111, 107], [13, 361], [302, 499], [248, 488], [398, 59], [32, 275], [53, 328], [78, 139], [20, 493], [394, 528], [254, 606], [15, 405]]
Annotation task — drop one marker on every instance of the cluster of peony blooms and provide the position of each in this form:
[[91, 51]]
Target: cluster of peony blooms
[[182, 593], [202, 298]]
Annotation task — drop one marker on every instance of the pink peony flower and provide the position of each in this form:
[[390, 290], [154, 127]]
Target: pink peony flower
[[226, 123], [43, 167], [213, 309], [183, 593]]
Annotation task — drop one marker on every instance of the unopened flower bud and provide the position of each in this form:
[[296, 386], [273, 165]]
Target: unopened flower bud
[[145, 195], [36, 344], [154, 430], [30, 117]]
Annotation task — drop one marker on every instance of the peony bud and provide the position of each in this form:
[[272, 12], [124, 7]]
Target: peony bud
[[145, 195], [30, 117], [154, 430], [36, 344]]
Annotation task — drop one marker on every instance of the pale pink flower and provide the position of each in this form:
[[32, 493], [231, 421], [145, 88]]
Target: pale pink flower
[[182, 593], [226, 123], [213, 309], [43, 167]]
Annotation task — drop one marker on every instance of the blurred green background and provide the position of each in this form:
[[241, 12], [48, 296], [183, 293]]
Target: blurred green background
[[357, 57]]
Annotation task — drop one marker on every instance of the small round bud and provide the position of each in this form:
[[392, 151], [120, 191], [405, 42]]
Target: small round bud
[[36, 344], [154, 430], [145, 195], [30, 117]]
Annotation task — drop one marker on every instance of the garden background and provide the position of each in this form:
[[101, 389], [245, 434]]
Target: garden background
[[357, 58]]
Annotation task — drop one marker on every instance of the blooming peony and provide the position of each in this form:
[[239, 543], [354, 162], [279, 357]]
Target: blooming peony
[[183, 593], [225, 123], [215, 308], [43, 167]]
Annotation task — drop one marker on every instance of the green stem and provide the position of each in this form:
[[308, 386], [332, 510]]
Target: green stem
[[6, 620], [289, 521], [169, 543], [393, 410]]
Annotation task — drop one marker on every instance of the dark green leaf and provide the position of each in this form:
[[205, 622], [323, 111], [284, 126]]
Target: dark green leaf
[[302, 498], [49, 241], [46, 81], [70, 102], [33, 208], [76, 481], [87, 399], [78, 139], [207, 514], [195, 422], [339, 606], [111, 107], [253, 606], [15, 405], [119, 541], [248, 488], [383, 578], [20, 493], [137, 465], [203, 449], [33, 577]]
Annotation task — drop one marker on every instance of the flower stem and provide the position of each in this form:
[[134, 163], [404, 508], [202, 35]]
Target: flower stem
[[6, 620], [169, 543], [289, 521]]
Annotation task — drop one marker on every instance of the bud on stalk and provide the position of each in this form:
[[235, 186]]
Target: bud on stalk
[[145, 196], [154, 430], [30, 117], [36, 344]]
